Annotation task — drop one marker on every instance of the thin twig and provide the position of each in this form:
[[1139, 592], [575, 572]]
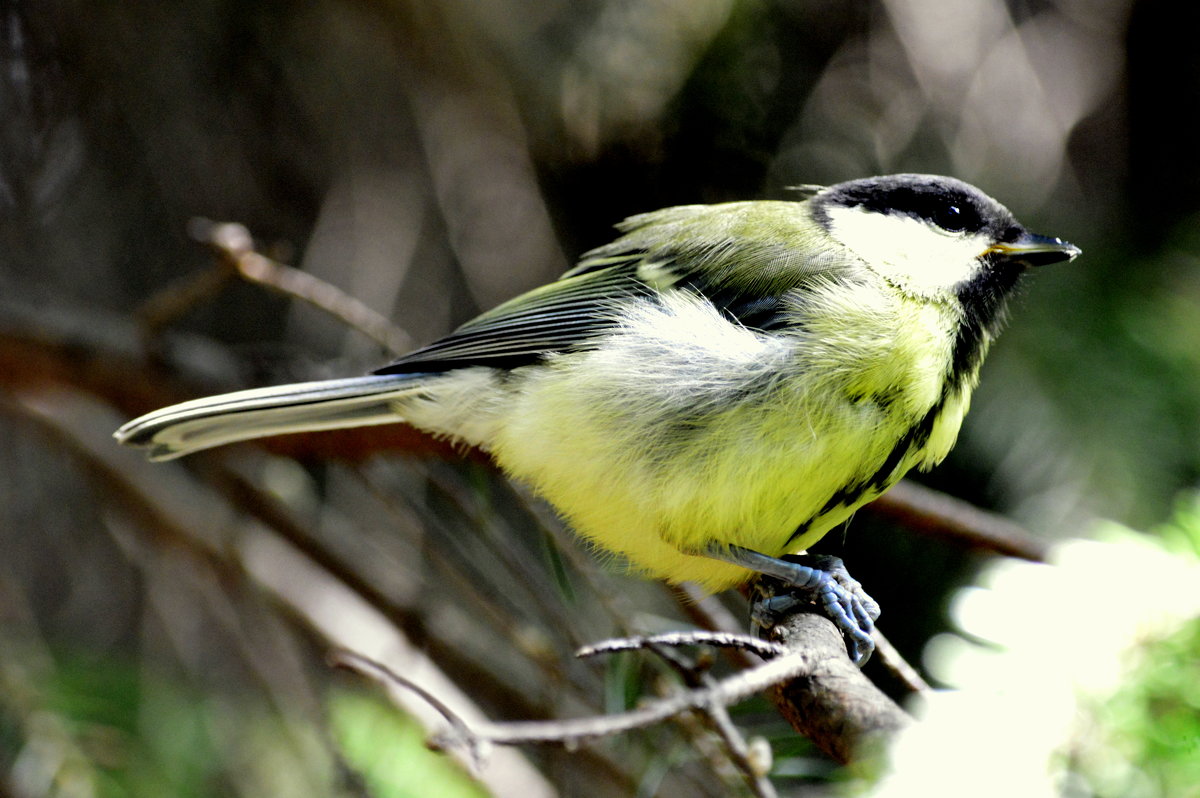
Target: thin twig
[[179, 296], [898, 666], [753, 766], [714, 715], [764, 648], [889, 657], [476, 745], [574, 731], [233, 242]]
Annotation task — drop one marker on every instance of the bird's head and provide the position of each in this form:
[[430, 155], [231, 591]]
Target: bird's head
[[933, 237]]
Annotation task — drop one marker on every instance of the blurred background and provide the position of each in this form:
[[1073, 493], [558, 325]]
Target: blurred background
[[163, 628]]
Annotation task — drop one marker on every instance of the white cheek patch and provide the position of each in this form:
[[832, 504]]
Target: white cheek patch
[[908, 252]]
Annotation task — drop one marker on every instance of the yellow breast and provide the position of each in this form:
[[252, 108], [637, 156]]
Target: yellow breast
[[665, 439]]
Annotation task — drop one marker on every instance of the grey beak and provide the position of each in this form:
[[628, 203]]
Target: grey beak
[[1032, 249]]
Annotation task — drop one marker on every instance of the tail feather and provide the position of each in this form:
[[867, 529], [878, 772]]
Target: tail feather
[[303, 407]]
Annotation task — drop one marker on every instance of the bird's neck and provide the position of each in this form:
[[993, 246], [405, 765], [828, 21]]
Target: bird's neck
[[983, 305]]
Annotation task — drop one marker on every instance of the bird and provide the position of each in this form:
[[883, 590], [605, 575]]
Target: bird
[[716, 389]]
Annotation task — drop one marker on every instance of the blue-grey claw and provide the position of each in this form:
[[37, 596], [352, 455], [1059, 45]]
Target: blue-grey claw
[[801, 579]]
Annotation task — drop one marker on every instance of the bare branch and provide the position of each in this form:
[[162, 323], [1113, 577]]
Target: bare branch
[[236, 247], [743, 642], [752, 766], [833, 703], [815, 685], [239, 259], [475, 746], [937, 514], [179, 296], [578, 730], [898, 666]]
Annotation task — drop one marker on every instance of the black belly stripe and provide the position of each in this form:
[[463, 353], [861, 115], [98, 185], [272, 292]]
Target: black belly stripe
[[799, 533], [983, 301], [915, 438], [850, 495]]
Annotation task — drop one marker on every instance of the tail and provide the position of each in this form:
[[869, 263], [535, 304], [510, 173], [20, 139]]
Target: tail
[[303, 407]]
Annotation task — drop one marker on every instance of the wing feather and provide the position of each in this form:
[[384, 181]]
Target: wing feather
[[557, 317], [744, 257]]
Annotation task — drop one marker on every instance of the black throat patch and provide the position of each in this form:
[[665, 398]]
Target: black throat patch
[[984, 300]]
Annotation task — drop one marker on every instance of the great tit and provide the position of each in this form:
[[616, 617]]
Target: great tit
[[720, 386]]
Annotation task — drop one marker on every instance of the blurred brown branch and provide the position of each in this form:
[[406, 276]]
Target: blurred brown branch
[[60, 347], [238, 257], [939, 515], [234, 245]]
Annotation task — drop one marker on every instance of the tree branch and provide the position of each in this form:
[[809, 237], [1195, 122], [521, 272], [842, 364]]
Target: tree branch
[[741, 642], [940, 515], [235, 246], [815, 685], [831, 702]]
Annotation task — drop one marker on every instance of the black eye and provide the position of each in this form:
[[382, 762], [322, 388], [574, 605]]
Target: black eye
[[950, 218], [950, 211]]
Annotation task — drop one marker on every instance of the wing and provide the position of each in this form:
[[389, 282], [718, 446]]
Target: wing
[[557, 317], [743, 257]]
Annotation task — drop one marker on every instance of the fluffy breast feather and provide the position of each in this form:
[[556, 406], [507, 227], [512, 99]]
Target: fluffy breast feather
[[682, 428]]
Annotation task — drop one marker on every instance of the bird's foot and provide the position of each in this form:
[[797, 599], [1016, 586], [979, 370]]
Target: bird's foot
[[795, 580]]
